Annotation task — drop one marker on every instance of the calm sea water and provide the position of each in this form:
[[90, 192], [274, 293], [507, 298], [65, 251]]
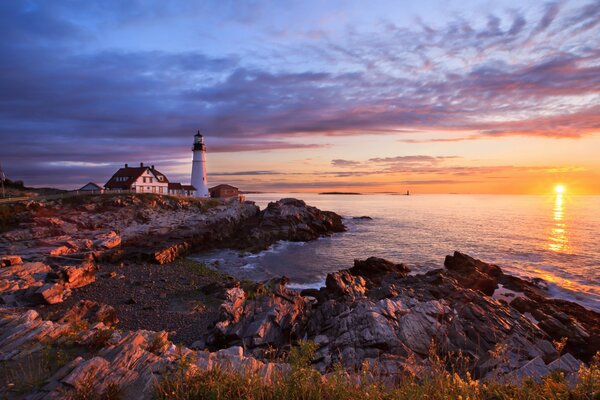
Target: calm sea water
[[556, 238]]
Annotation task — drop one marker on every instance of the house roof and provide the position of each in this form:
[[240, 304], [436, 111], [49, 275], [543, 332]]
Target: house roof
[[223, 186], [188, 187], [91, 184], [175, 186], [132, 173]]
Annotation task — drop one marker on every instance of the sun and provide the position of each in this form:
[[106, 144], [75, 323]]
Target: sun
[[559, 189]]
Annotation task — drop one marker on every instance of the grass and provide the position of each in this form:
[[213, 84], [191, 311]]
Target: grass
[[303, 382], [87, 391], [9, 216], [31, 372], [201, 269], [210, 203]]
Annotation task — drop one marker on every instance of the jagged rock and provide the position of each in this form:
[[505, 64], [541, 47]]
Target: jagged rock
[[133, 361], [566, 363], [171, 253], [7, 261], [472, 273], [345, 284], [355, 320], [161, 229], [535, 369], [62, 250], [374, 268], [107, 240], [232, 307], [269, 320], [53, 293], [81, 275]]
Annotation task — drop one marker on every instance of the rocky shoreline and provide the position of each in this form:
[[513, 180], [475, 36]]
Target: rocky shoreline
[[102, 281]]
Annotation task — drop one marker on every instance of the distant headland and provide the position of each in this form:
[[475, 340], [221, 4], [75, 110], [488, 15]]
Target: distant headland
[[342, 193]]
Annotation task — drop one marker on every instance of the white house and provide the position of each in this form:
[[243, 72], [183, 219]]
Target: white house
[[177, 189], [140, 179]]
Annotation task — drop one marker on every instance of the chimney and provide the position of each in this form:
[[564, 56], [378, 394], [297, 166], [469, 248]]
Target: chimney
[[152, 167], [141, 164], [126, 166]]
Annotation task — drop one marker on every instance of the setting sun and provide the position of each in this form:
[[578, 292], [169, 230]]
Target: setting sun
[[559, 189]]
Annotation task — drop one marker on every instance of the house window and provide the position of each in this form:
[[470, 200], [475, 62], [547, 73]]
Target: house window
[[160, 189]]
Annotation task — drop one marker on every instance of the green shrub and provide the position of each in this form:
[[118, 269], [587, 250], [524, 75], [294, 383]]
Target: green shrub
[[201, 268]]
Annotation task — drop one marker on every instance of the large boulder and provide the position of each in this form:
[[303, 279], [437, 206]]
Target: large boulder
[[79, 275], [375, 268], [473, 274]]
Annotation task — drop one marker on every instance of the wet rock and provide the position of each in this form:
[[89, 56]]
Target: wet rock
[[363, 218]]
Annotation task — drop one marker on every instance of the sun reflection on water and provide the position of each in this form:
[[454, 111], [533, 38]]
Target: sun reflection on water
[[558, 240]]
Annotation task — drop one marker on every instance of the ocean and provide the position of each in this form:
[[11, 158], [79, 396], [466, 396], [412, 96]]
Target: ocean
[[556, 238]]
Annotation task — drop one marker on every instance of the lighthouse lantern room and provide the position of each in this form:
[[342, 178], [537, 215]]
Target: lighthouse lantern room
[[199, 180]]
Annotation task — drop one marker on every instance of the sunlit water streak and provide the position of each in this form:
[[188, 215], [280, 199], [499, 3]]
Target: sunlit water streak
[[551, 237]]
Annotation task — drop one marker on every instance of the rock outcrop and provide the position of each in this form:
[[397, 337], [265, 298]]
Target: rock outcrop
[[130, 362], [377, 313], [156, 228], [34, 282]]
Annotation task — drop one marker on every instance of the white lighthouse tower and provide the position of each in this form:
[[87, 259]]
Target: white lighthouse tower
[[199, 180]]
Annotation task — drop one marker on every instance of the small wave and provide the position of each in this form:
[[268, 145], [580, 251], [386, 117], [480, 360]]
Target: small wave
[[309, 285], [249, 266]]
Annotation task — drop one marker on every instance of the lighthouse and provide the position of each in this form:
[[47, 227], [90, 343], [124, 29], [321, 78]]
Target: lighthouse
[[199, 180]]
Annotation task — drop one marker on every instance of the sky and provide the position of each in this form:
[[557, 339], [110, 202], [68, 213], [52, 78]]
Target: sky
[[427, 96]]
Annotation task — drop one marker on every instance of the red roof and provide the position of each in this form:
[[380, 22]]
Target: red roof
[[175, 186], [223, 186], [188, 187], [131, 173]]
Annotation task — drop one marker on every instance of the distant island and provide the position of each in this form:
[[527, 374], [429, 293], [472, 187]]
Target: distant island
[[344, 193]]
